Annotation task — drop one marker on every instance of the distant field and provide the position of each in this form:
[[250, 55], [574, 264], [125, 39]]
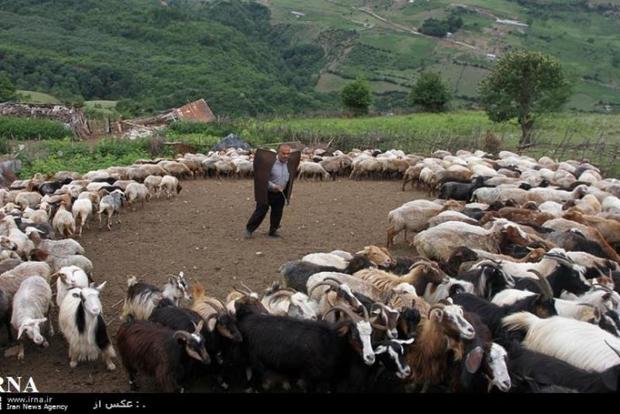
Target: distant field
[[101, 104], [37, 97]]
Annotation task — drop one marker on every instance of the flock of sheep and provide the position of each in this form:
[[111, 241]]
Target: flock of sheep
[[513, 286]]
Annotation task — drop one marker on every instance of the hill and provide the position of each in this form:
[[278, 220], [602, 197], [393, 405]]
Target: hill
[[283, 56]]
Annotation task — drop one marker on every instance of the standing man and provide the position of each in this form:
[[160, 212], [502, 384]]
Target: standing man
[[273, 184]]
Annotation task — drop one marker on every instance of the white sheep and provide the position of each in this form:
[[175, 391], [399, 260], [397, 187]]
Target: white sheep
[[137, 192], [152, 183], [82, 209], [31, 306], [111, 204], [63, 222], [170, 186]]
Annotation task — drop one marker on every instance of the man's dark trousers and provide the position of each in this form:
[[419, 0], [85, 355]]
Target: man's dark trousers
[[276, 202]]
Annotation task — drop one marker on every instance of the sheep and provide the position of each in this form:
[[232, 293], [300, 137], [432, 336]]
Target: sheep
[[170, 186], [110, 204], [31, 307], [326, 259], [439, 242], [589, 234], [420, 276], [23, 245], [611, 204], [82, 209], [137, 192], [311, 170], [450, 215], [81, 323], [12, 279], [152, 183], [69, 277], [411, 175], [58, 248], [609, 229], [149, 348], [63, 221], [413, 216], [176, 169], [578, 343], [142, 298]]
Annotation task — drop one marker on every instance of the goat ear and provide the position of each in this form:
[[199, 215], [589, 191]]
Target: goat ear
[[436, 315], [473, 360], [343, 328], [21, 331]]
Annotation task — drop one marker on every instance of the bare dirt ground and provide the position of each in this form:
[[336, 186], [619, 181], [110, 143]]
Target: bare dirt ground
[[201, 233]]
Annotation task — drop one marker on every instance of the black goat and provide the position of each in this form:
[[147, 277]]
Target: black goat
[[460, 191], [562, 278], [50, 187], [316, 352], [488, 279], [149, 348], [296, 273], [531, 371], [491, 314]]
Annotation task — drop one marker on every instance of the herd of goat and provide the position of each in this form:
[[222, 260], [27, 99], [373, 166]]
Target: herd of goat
[[514, 287]]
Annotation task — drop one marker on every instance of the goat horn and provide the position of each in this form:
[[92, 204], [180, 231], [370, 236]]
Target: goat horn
[[216, 303], [247, 288], [544, 285], [182, 334], [278, 294], [612, 348], [323, 283], [348, 312]]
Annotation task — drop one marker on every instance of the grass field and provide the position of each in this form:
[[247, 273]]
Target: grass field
[[37, 97]]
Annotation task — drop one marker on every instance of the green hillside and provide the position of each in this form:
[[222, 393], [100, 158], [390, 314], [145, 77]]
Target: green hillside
[[380, 39], [291, 56]]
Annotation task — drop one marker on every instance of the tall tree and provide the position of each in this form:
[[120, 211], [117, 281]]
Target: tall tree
[[430, 93], [524, 85], [356, 96], [7, 89]]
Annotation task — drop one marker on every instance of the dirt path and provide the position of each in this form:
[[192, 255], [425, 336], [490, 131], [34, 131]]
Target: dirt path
[[200, 233]]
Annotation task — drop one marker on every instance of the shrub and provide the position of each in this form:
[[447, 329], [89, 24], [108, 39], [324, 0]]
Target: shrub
[[491, 143], [26, 128]]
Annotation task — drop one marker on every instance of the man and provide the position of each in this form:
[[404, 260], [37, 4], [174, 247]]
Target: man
[[273, 183]]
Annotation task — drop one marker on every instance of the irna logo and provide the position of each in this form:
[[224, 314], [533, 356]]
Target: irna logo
[[17, 384]]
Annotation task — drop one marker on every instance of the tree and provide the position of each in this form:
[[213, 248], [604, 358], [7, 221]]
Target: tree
[[356, 96], [7, 89], [430, 93], [524, 85]]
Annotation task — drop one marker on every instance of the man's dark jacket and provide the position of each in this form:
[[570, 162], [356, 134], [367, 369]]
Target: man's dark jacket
[[263, 162]]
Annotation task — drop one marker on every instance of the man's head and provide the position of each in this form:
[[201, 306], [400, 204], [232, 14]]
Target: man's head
[[284, 151]]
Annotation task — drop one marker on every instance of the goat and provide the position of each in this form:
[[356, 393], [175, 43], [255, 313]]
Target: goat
[[149, 348], [578, 343], [82, 325], [315, 351], [69, 277], [420, 275], [142, 297]]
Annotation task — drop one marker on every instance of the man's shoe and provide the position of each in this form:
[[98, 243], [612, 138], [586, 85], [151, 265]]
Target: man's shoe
[[248, 234], [274, 234]]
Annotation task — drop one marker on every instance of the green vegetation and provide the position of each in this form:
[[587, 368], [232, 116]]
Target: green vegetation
[[356, 97], [33, 97], [32, 129], [48, 157], [7, 89], [148, 57], [430, 93], [524, 85], [439, 28]]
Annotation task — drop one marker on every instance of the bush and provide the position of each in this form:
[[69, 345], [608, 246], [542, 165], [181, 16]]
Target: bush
[[26, 128], [491, 143]]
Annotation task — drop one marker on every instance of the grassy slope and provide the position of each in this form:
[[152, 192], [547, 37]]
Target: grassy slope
[[398, 56]]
